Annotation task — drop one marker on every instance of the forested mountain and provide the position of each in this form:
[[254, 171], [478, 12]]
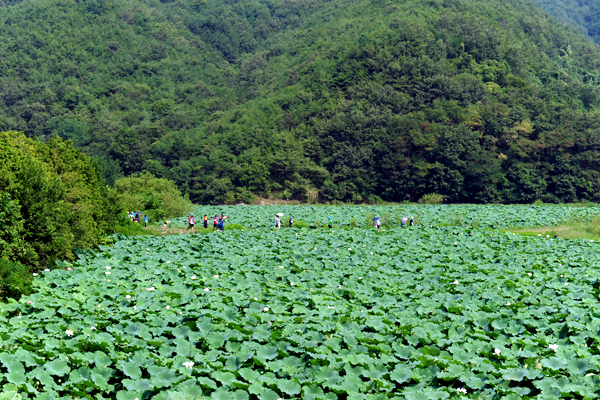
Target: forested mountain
[[481, 101], [583, 14]]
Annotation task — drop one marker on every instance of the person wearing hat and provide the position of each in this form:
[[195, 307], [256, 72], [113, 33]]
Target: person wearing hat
[[277, 221], [191, 222], [291, 221], [330, 223]]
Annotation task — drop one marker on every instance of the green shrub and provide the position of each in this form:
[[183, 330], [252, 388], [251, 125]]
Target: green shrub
[[15, 280], [129, 228], [432, 198], [301, 224], [230, 227], [159, 198]]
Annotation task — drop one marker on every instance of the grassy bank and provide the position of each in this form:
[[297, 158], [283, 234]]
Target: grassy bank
[[575, 229]]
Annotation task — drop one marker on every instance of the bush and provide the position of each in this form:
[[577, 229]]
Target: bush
[[129, 228], [231, 227], [156, 197], [301, 224], [432, 198], [15, 280]]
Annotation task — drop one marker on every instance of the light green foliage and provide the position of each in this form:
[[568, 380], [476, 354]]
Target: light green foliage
[[356, 313], [431, 198], [158, 198]]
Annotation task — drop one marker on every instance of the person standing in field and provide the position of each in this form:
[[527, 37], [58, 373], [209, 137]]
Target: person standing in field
[[191, 222], [222, 224], [145, 222], [291, 222], [412, 221], [330, 222], [205, 219], [216, 223], [277, 222], [377, 222]]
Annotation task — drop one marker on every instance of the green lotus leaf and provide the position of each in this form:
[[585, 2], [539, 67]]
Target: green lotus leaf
[[226, 378], [578, 366], [57, 367], [554, 363], [132, 370], [126, 395], [268, 394], [401, 374], [289, 387]]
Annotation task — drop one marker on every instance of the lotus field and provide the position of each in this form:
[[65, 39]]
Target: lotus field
[[488, 216], [423, 312]]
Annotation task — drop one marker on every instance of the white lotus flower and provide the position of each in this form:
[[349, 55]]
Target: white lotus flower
[[455, 283], [107, 267], [216, 276], [266, 309], [508, 304], [566, 283], [291, 283], [371, 253], [188, 364], [350, 248], [107, 272], [359, 278], [193, 277], [462, 390], [281, 267], [497, 352], [256, 299], [330, 307], [553, 347], [168, 262], [128, 297], [530, 274], [46, 270], [151, 289], [135, 307], [93, 328], [207, 290], [69, 332], [339, 286], [167, 307]]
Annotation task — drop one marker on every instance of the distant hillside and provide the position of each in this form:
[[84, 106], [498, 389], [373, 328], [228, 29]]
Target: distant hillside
[[583, 14], [348, 100]]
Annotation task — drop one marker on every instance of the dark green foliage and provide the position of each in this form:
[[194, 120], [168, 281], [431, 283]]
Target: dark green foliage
[[582, 14], [52, 201], [346, 101], [15, 279]]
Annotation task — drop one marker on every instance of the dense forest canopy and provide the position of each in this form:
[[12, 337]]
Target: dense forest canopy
[[349, 100], [583, 14]]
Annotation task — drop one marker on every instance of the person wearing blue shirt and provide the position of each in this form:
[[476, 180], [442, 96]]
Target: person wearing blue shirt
[[145, 222]]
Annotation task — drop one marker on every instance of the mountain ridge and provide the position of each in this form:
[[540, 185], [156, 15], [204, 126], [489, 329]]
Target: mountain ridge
[[345, 101]]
